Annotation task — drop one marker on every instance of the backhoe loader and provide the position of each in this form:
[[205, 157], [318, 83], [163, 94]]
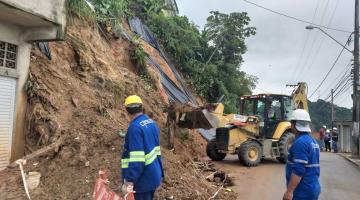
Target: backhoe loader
[[260, 130]]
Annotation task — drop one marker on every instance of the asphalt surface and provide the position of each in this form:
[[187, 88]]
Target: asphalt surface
[[339, 179]]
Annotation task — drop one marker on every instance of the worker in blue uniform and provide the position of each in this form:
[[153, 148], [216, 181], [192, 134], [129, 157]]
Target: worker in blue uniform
[[141, 165], [303, 166]]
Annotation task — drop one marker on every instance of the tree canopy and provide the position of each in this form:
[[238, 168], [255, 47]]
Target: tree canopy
[[211, 58]]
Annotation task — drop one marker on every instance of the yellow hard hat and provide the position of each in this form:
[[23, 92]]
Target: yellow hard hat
[[133, 99]]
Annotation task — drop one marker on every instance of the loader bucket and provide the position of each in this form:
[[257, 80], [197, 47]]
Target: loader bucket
[[199, 118]]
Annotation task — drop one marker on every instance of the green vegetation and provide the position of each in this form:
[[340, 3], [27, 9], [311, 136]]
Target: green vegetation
[[117, 9], [320, 113], [115, 87], [209, 59], [105, 9], [80, 8], [31, 86], [138, 55]]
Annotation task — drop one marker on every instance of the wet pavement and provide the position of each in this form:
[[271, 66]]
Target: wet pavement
[[340, 179]]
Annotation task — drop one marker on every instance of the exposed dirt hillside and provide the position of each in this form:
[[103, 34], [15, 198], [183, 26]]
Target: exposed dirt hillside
[[77, 97]]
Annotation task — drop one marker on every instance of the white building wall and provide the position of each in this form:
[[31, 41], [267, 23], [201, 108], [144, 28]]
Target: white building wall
[[13, 34], [21, 23], [51, 10]]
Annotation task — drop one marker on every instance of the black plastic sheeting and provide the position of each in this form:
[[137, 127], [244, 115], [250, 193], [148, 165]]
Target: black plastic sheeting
[[173, 92], [183, 94], [45, 49]]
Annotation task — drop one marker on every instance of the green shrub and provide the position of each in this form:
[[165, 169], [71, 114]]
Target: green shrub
[[80, 8]]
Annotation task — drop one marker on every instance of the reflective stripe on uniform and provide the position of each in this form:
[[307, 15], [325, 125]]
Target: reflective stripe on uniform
[[125, 163], [150, 157], [139, 156], [313, 165], [301, 161]]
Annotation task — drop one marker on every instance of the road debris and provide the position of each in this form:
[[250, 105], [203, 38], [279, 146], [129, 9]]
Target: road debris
[[220, 177], [33, 180], [103, 192], [204, 166]]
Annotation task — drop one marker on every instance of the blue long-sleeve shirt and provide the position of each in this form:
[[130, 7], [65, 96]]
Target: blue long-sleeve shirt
[[141, 159], [303, 161]]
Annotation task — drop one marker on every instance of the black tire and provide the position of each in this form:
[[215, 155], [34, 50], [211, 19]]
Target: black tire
[[285, 142], [213, 153], [250, 153]]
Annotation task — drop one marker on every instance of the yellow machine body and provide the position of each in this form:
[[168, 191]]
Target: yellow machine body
[[260, 130], [281, 128]]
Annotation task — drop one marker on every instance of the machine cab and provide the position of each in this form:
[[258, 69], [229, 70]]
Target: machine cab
[[270, 110]]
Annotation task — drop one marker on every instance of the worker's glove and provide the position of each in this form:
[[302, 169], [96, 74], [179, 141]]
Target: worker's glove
[[127, 187]]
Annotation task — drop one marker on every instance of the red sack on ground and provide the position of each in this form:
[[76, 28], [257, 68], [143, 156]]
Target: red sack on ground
[[103, 192]]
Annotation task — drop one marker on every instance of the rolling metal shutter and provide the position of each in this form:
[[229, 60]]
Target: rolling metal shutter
[[7, 106]]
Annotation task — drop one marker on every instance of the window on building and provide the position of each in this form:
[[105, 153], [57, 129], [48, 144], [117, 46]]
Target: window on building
[[8, 55]]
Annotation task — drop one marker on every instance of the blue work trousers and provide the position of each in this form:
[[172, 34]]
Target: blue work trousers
[[300, 198], [334, 147], [144, 195]]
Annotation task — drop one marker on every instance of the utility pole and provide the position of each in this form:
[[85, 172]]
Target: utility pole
[[332, 109], [356, 96]]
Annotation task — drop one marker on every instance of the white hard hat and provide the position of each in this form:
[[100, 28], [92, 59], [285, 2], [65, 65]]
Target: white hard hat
[[324, 126], [334, 128], [302, 119], [300, 115]]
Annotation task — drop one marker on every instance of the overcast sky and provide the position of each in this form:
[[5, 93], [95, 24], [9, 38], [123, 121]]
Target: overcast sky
[[275, 54]]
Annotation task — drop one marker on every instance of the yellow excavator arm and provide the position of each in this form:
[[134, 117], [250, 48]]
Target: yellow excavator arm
[[299, 96]]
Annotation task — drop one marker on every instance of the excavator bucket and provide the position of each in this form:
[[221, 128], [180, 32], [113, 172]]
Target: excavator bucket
[[202, 118], [186, 116]]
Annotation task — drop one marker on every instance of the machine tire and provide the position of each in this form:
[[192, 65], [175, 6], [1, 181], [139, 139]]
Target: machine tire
[[213, 153], [285, 143], [250, 153]]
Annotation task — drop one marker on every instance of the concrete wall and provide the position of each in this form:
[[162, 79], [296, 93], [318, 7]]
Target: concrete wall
[[23, 21], [13, 34], [345, 136], [43, 20], [51, 10]]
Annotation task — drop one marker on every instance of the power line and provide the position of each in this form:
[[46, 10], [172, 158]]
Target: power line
[[295, 18], [341, 83], [345, 72], [332, 67], [345, 95], [343, 88], [306, 41], [306, 66]]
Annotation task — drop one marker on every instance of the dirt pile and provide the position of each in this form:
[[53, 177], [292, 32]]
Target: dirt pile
[[77, 97]]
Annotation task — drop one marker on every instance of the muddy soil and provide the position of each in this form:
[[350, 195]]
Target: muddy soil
[[77, 96]]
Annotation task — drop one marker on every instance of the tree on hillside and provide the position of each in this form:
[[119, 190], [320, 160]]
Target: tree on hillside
[[226, 34], [320, 113]]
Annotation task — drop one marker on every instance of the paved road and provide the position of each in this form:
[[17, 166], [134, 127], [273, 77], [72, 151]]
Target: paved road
[[340, 179]]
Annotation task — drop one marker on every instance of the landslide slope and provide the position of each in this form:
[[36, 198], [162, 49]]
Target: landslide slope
[[77, 97]]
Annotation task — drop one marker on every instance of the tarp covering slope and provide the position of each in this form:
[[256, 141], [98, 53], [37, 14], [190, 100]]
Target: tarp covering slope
[[179, 93]]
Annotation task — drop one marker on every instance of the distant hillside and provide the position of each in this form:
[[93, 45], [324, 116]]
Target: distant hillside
[[320, 112]]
